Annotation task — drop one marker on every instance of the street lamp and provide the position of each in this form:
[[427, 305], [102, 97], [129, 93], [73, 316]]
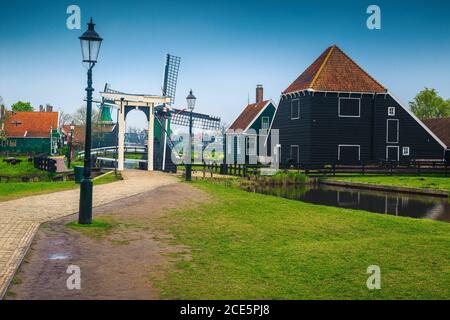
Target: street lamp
[[72, 128], [190, 99], [90, 47]]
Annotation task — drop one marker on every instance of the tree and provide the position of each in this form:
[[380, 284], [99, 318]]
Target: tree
[[3, 115], [428, 104], [64, 118], [21, 106], [79, 116]]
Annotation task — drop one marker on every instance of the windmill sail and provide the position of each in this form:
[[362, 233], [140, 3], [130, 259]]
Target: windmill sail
[[170, 77]]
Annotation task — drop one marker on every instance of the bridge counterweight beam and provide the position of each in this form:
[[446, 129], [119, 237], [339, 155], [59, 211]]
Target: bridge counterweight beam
[[121, 133]]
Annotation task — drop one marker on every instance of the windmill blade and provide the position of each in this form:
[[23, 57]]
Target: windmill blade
[[199, 120], [170, 77]]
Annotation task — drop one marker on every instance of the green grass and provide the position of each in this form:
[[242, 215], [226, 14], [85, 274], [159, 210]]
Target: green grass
[[97, 230], [134, 156], [422, 182], [252, 246], [108, 178], [24, 168], [14, 190]]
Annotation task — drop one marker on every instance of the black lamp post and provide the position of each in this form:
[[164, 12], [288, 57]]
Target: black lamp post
[[191, 105], [90, 47], [72, 128]]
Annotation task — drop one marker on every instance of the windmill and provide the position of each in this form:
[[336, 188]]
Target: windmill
[[166, 115]]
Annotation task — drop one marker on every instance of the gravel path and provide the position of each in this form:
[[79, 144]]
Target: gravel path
[[20, 218]]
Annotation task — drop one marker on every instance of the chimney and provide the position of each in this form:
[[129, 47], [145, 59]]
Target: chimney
[[41, 108], [49, 108], [259, 93]]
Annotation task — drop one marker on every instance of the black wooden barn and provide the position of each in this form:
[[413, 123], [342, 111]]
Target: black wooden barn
[[336, 113]]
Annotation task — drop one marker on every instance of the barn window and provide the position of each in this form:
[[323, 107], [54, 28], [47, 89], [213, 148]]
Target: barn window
[[12, 143], [391, 111], [294, 154], [349, 107], [265, 123], [295, 109], [405, 151], [251, 145], [349, 153], [392, 128]]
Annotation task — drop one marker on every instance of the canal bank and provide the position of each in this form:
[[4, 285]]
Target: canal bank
[[388, 188]]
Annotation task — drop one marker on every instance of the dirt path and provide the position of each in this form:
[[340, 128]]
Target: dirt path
[[20, 218], [119, 264]]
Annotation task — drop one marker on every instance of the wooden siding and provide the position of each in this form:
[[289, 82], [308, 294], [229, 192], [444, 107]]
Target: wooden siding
[[294, 131], [320, 130]]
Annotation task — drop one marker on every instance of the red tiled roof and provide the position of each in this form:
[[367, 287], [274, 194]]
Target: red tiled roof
[[247, 115], [78, 133], [335, 71], [440, 127], [30, 124]]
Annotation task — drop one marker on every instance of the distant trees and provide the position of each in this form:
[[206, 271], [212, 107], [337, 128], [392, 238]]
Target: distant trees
[[79, 116], [428, 104], [2, 120], [21, 106]]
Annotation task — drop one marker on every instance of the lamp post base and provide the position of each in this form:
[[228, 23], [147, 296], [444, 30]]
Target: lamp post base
[[188, 172], [85, 216]]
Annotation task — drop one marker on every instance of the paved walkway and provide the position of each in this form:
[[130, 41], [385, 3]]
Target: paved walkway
[[20, 218]]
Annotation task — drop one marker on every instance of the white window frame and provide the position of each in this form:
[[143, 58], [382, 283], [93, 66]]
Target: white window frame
[[349, 145], [391, 111], [345, 116], [398, 152], [262, 123], [247, 145], [298, 109], [387, 130], [298, 151], [406, 151]]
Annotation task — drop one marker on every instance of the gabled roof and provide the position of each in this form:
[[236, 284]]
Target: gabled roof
[[30, 124], [335, 71], [248, 115], [440, 127]]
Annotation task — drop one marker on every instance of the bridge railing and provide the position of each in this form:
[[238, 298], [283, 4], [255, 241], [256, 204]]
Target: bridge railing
[[113, 149]]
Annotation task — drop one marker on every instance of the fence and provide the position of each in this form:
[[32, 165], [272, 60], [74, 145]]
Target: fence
[[45, 164], [375, 167]]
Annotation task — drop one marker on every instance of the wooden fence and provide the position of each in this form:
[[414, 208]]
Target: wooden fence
[[379, 167], [45, 164]]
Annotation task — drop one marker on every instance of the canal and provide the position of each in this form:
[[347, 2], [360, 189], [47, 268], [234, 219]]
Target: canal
[[398, 204]]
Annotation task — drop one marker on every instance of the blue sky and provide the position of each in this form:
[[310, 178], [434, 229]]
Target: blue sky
[[227, 47]]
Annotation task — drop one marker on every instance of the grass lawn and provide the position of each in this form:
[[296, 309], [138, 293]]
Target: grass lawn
[[21, 169], [422, 182], [14, 190], [252, 246]]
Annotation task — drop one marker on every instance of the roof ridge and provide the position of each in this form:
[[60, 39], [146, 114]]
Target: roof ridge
[[360, 68], [324, 62]]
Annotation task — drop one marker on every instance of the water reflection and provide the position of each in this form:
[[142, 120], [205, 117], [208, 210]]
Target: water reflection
[[399, 204]]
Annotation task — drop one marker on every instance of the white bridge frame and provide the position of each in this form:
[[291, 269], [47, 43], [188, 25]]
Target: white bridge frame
[[139, 101]]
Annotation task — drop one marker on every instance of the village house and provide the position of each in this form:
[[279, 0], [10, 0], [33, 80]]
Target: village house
[[249, 130], [441, 128], [31, 132], [336, 113]]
